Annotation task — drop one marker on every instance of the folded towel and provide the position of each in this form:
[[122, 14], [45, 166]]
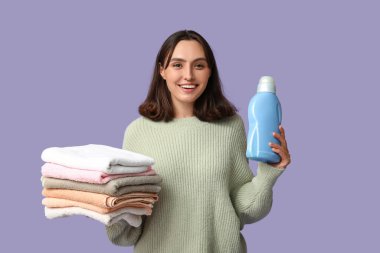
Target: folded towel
[[88, 176], [56, 202], [98, 157], [101, 200], [116, 187], [107, 219], [132, 197]]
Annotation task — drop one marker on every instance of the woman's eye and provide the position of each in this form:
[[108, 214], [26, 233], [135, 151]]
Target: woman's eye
[[177, 65], [199, 66]]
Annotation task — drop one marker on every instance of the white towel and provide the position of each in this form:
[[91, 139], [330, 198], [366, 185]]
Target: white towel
[[129, 214], [98, 157]]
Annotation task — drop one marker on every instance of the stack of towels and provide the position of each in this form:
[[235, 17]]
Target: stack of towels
[[104, 183]]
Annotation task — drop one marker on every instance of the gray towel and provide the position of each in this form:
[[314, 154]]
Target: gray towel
[[114, 187]]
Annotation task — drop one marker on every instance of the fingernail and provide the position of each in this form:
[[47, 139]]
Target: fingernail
[[269, 143], [273, 133]]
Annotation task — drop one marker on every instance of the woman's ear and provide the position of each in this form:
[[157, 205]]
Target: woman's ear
[[162, 71]]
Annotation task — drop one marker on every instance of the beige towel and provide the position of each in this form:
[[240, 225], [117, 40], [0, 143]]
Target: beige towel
[[56, 202], [101, 200]]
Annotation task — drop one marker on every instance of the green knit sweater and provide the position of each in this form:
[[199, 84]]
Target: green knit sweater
[[208, 189]]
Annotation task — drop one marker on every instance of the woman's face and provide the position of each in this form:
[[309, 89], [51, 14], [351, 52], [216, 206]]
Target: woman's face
[[187, 73]]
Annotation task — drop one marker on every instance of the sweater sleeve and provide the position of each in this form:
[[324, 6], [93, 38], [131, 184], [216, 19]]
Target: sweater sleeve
[[121, 233], [251, 195]]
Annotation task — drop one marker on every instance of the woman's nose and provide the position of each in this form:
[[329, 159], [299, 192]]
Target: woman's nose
[[188, 73]]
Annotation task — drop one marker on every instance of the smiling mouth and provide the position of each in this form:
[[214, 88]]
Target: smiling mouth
[[188, 86]]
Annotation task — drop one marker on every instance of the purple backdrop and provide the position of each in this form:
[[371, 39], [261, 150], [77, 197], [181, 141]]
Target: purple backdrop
[[74, 72]]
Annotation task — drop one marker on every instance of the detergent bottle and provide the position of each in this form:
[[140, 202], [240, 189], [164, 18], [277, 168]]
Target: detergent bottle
[[264, 116]]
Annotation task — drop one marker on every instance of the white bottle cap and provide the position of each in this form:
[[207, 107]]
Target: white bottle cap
[[266, 84]]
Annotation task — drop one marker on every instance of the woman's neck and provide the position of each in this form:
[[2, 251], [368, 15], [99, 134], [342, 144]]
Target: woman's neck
[[183, 111]]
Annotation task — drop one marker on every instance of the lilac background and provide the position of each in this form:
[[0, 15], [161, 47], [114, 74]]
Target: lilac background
[[74, 72]]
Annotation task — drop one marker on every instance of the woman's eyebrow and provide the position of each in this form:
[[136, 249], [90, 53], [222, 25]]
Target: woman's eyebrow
[[183, 60]]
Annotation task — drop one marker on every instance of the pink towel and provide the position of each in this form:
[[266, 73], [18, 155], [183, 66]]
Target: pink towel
[[88, 176]]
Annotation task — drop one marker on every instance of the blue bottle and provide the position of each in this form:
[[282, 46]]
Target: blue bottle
[[264, 116]]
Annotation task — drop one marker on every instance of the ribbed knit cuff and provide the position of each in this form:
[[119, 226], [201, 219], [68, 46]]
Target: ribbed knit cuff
[[123, 234], [267, 174]]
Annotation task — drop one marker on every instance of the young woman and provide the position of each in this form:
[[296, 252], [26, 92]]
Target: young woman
[[198, 142]]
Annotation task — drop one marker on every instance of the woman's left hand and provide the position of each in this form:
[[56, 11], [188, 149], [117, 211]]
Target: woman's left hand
[[281, 150]]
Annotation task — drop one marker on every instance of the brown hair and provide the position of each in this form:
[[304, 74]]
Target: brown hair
[[210, 106]]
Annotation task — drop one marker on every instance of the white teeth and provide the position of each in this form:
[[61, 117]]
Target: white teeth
[[188, 86]]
